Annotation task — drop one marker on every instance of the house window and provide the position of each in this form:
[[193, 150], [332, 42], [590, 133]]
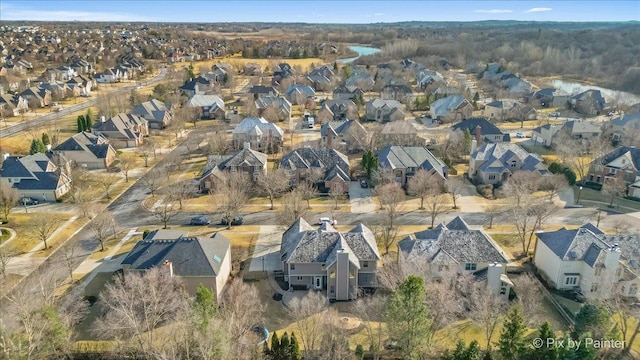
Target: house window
[[598, 271], [470, 266], [513, 163], [292, 266], [594, 288], [503, 288], [598, 179], [492, 177], [571, 280], [332, 289], [332, 274], [591, 178], [365, 264], [299, 278]]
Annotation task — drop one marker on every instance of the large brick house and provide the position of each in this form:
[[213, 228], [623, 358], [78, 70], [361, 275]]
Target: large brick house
[[623, 161]]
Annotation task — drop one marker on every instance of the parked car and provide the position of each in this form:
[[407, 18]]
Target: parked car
[[364, 184], [520, 135], [238, 220], [199, 220], [331, 221], [27, 201], [555, 114]]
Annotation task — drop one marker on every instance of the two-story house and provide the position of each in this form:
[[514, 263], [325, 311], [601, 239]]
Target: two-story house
[[402, 93], [332, 165], [589, 102], [211, 106], [623, 161], [405, 161], [400, 133], [344, 135], [340, 263], [259, 133], [298, 94], [13, 105], [247, 161], [123, 130], [277, 107], [494, 163], [35, 176], [451, 108], [384, 110], [589, 261], [483, 130], [337, 110], [456, 248]]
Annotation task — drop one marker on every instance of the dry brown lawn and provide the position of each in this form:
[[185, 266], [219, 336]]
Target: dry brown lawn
[[25, 239]]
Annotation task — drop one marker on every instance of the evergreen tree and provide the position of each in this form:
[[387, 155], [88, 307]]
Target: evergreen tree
[[467, 140], [316, 51], [408, 317], [294, 348], [572, 353], [591, 318], [37, 147], [80, 123], [335, 66], [275, 345], [256, 52], [295, 53], [88, 121], [204, 306], [284, 345], [461, 352], [512, 345], [544, 352], [369, 162], [45, 139], [245, 52], [305, 53]]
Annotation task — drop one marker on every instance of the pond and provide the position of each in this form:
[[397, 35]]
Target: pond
[[361, 50], [609, 94]]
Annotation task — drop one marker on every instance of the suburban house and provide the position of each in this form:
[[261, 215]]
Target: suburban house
[[426, 77], [405, 161], [494, 163], [625, 126], [280, 72], [361, 79], [503, 110], [483, 130], [341, 263], [400, 133], [337, 110], [13, 105], [59, 90], [575, 129], [549, 98], [624, 160], [194, 260], [64, 73], [402, 93], [590, 262], [259, 133], [321, 77], [37, 96], [298, 94], [212, 106], [111, 75], [35, 176], [332, 166], [247, 161], [589, 102], [384, 110], [347, 93], [155, 112], [198, 86], [343, 135], [451, 108], [80, 85], [87, 150], [280, 106], [258, 91], [123, 130], [455, 248], [252, 69]]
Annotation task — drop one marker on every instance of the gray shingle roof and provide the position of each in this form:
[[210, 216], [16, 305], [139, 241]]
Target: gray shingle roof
[[442, 107], [301, 243], [630, 120], [122, 124], [577, 244], [308, 158], [35, 172], [633, 153], [502, 152], [84, 141], [200, 100], [245, 156], [402, 157], [247, 124], [190, 256], [486, 127], [452, 242], [151, 110]]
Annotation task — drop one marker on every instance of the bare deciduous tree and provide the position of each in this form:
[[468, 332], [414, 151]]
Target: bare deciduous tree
[[436, 204], [553, 184], [369, 310], [486, 311], [336, 192], [145, 151], [127, 162], [530, 296], [179, 191], [390, 196], [579, 153], [273, 184], [492, 211], [9, 198], [422, 184], [43, 227], [307, 314], [454, 187], [241, 310], [293, 207], [193, 142], [231, 194], [164, 210], [217, 142], [102, 226], [136, 304], [154, 180], [106, 181], [614, 186]]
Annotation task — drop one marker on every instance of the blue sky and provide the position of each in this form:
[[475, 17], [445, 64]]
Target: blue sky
[[319, 11]]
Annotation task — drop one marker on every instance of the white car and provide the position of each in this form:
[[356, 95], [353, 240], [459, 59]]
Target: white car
[[327, 220], [520, 135]]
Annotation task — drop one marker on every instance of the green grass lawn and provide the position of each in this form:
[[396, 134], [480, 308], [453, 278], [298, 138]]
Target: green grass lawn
[[590, 197]]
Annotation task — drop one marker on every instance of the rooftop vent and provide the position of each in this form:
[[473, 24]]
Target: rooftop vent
[[217, 259], [573, 255]]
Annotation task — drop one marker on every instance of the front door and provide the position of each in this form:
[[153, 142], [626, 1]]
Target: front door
[[317, 282]]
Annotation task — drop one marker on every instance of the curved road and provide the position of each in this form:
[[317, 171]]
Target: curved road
[[11, 130]]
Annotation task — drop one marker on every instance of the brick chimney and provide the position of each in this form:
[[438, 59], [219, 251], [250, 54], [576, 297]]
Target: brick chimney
[[479, 136]]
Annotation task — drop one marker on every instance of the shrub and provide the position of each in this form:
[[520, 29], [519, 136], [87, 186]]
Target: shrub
[[569, 174], [486, 191], [145, 233]]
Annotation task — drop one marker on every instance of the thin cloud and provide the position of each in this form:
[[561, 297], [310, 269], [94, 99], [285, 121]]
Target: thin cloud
[[538, 9], [69, 15], [378, 14], [493, 11]]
